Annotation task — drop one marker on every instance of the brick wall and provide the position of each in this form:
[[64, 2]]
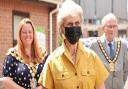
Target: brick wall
[[55, 33], [39, 14]]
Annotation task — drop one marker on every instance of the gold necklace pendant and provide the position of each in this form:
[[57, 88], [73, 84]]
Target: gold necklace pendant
[[33, 69], [33, 83], [112, 66]]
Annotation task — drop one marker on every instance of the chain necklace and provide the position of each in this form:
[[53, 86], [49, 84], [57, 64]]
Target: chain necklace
[[110, 61], [33, 70]]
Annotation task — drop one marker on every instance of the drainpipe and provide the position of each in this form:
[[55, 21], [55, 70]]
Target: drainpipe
[[51, 25]]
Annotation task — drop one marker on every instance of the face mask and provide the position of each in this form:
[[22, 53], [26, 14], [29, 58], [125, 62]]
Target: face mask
[[73, 34]]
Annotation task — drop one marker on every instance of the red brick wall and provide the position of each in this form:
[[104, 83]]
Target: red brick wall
[[39, 14], [54, 34]]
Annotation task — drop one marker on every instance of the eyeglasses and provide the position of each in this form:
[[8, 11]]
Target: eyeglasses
[[70, 24], [111, 26]]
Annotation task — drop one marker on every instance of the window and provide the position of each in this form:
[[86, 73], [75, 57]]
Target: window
[[92, 33], [122, 33], [17, 17]]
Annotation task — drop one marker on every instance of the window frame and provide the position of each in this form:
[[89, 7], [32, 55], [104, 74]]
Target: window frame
[[17, 13]]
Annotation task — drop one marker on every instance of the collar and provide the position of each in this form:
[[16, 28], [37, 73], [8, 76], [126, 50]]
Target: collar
[[112, 42], [64, 49], [106, 41]]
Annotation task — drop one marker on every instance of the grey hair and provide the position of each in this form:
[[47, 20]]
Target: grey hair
[[68, 8], [107, 18]]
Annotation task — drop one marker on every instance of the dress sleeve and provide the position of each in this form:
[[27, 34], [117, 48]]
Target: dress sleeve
[[8, 66], [101, 72]]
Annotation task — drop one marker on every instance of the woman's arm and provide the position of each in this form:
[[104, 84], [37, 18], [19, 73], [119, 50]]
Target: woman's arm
[[8, 83]]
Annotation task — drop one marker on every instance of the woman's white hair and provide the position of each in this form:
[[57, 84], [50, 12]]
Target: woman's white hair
[[107, 18], [68, 8]]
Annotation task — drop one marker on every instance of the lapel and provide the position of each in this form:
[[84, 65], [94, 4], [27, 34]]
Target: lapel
[[115, 45], [103, 41]]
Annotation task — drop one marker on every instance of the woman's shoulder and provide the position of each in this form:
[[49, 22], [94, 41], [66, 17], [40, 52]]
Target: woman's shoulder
[[12, 53], [10, 50], [9, 57]]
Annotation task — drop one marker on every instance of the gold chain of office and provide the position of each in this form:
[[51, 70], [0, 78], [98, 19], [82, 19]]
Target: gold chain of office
[[113, 60]]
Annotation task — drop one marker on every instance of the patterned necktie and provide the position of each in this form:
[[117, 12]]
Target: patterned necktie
[[111, 53]]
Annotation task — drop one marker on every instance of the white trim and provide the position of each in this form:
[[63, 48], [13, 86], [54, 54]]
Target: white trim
[[51, 1], [51, 17]]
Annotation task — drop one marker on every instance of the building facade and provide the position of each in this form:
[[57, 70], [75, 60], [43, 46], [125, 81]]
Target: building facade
[[12, 11], [94, 10]]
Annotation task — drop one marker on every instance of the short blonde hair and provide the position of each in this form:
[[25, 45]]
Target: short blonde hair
[[68, 8], [107, 18]]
